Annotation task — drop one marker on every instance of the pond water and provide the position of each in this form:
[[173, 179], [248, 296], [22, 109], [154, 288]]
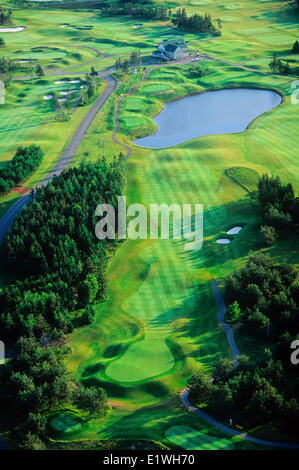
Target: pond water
[[214, 112]]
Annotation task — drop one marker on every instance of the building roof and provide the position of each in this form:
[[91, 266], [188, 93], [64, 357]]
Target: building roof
[[172, 44], [171, 47]]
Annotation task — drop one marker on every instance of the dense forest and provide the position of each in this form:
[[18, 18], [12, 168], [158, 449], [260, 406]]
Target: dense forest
[[60, 266], [23, 165], [263, 299], [279, 208], [143, 10], [195, 23], [53, 248], [263, 388], [267, 294], [254, 392]]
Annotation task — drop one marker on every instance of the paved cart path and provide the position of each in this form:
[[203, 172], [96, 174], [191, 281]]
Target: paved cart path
[[64, 161], [184, 394]]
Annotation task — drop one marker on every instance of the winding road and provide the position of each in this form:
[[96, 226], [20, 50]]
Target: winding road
[[66, 158], [184, 394]]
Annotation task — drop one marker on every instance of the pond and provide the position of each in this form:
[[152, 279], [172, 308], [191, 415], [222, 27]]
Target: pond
[[215, 112]]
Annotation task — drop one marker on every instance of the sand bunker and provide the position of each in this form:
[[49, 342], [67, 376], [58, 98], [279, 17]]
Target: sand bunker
[[223, 241], [61, 100], [24, 61], [63, 82], [83, 86], [234, 231], [12, 30], [48, 97], [64, 92]]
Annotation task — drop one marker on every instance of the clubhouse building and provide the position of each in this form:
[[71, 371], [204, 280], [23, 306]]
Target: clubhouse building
[[173, 49]]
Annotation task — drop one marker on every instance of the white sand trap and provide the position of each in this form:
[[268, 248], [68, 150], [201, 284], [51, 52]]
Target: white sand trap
[[12, 30], [234, 231], [48, 97], [24, 61], [64, 92], [61, 100], [137, 26], [223, 241], [83, 86], [61, 82], [75, 81]]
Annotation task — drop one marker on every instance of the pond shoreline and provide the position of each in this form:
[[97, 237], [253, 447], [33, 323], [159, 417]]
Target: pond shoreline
[[214, 89]]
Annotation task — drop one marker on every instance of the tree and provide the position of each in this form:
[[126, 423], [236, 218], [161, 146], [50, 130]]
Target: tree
[[2, 41], [277, 66], [295, 49], [266, 402], [89, 289], [233, 312], [39, 71], [268, 234], [91, 399], [222, 368], [93, 72], [35, 424], [32, 442], [125, 66], [199, 387]]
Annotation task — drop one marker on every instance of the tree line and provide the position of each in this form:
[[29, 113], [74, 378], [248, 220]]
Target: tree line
[[279, 208], [267, 294], [264, 297], [253, 393], [196, 23], [60, 267], [23, 165], [52, 246], [146, 10]]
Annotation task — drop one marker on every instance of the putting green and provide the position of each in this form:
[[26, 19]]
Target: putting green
[[156, 87], [135, 104], [145, 359], [132, 121], [191, 439], [65, 423]]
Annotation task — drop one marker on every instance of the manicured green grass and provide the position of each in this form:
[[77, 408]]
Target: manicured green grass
[[132, 121], [135, 104], [190, 439], [65, 423], [156, 87]]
